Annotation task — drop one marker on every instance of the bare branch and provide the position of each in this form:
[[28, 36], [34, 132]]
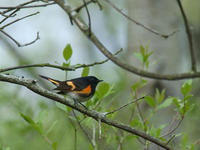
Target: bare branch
[[8, 16], [17, 43], [118, 109], [33, 86], [20, 5], [19, 20], [174, 129], [72, 68], [89, 19], [189, 36], [84, 131], [84, 28], [170, 139], [30, 6], [138, 23], [82, 6]]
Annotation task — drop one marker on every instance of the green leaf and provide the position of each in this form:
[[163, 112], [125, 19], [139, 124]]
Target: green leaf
[[43, 115], [66, 64], [177, 102], [150, 100], [62, 107], [142, 50], [184, 141], [54, 145], [85, 71], [103, 89], [166, 103], [191, 147], [27, 118], [5, 148], [139, 56], [139, 84], [186, 87], [67, 52], [159, 96], [135, 86], [51, 127], [32, 123]]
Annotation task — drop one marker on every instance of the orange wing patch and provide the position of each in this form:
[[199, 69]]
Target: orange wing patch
[[69, 83], [53, 81], [86, 90]]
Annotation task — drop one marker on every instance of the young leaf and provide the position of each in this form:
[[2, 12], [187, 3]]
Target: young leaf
[[67, 52], [166, 103], [66, 64], [139, 56], [184, 141], [85, 71], [54, 145], [186, 87], [51, 127], [32, 123], [62, 107], [159, 96], [27, 119], [103, 89], [150, 100], [5, 148]]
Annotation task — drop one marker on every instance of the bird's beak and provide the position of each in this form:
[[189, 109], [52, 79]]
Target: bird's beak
[[100, 80]]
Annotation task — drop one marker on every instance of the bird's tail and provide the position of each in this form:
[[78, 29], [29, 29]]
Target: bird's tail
[[55, 82]]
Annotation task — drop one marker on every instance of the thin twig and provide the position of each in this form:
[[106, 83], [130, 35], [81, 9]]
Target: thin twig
[[82, 6], [19, 20], [99, 127], [37, 65], [138, 23], [174, 129], [89, 19], [172, 123], [20, 5], [17, 43], [82, 128], [94, 134], [75, 132], [170, 139], [108, 113], [189, 36], [8, 16], [71, 68], [30, 6], [75, 138]]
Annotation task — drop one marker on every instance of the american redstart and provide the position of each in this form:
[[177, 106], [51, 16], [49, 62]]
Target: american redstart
[[79, 89]]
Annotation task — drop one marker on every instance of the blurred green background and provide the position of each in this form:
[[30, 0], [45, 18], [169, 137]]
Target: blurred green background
[[169, 56]]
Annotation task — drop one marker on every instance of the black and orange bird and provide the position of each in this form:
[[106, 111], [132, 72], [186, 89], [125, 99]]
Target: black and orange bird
[[79, 89]]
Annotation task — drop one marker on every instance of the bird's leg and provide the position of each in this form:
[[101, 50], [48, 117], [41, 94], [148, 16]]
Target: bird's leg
[[77, 102]]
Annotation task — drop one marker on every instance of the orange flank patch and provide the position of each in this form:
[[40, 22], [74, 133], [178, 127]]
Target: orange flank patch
[[53, 81], [69, 83], [86, 90]]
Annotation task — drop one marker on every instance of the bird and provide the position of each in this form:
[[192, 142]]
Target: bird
[[79, 89]]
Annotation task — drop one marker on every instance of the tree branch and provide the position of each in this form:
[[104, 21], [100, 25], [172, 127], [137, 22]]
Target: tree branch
[[16, 42], [71, 68], [18, 6], [19, 19], [84, 28], [33, 86], [138, 23], [121, 107], [89, 19], [30, 6], [189, 36]]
